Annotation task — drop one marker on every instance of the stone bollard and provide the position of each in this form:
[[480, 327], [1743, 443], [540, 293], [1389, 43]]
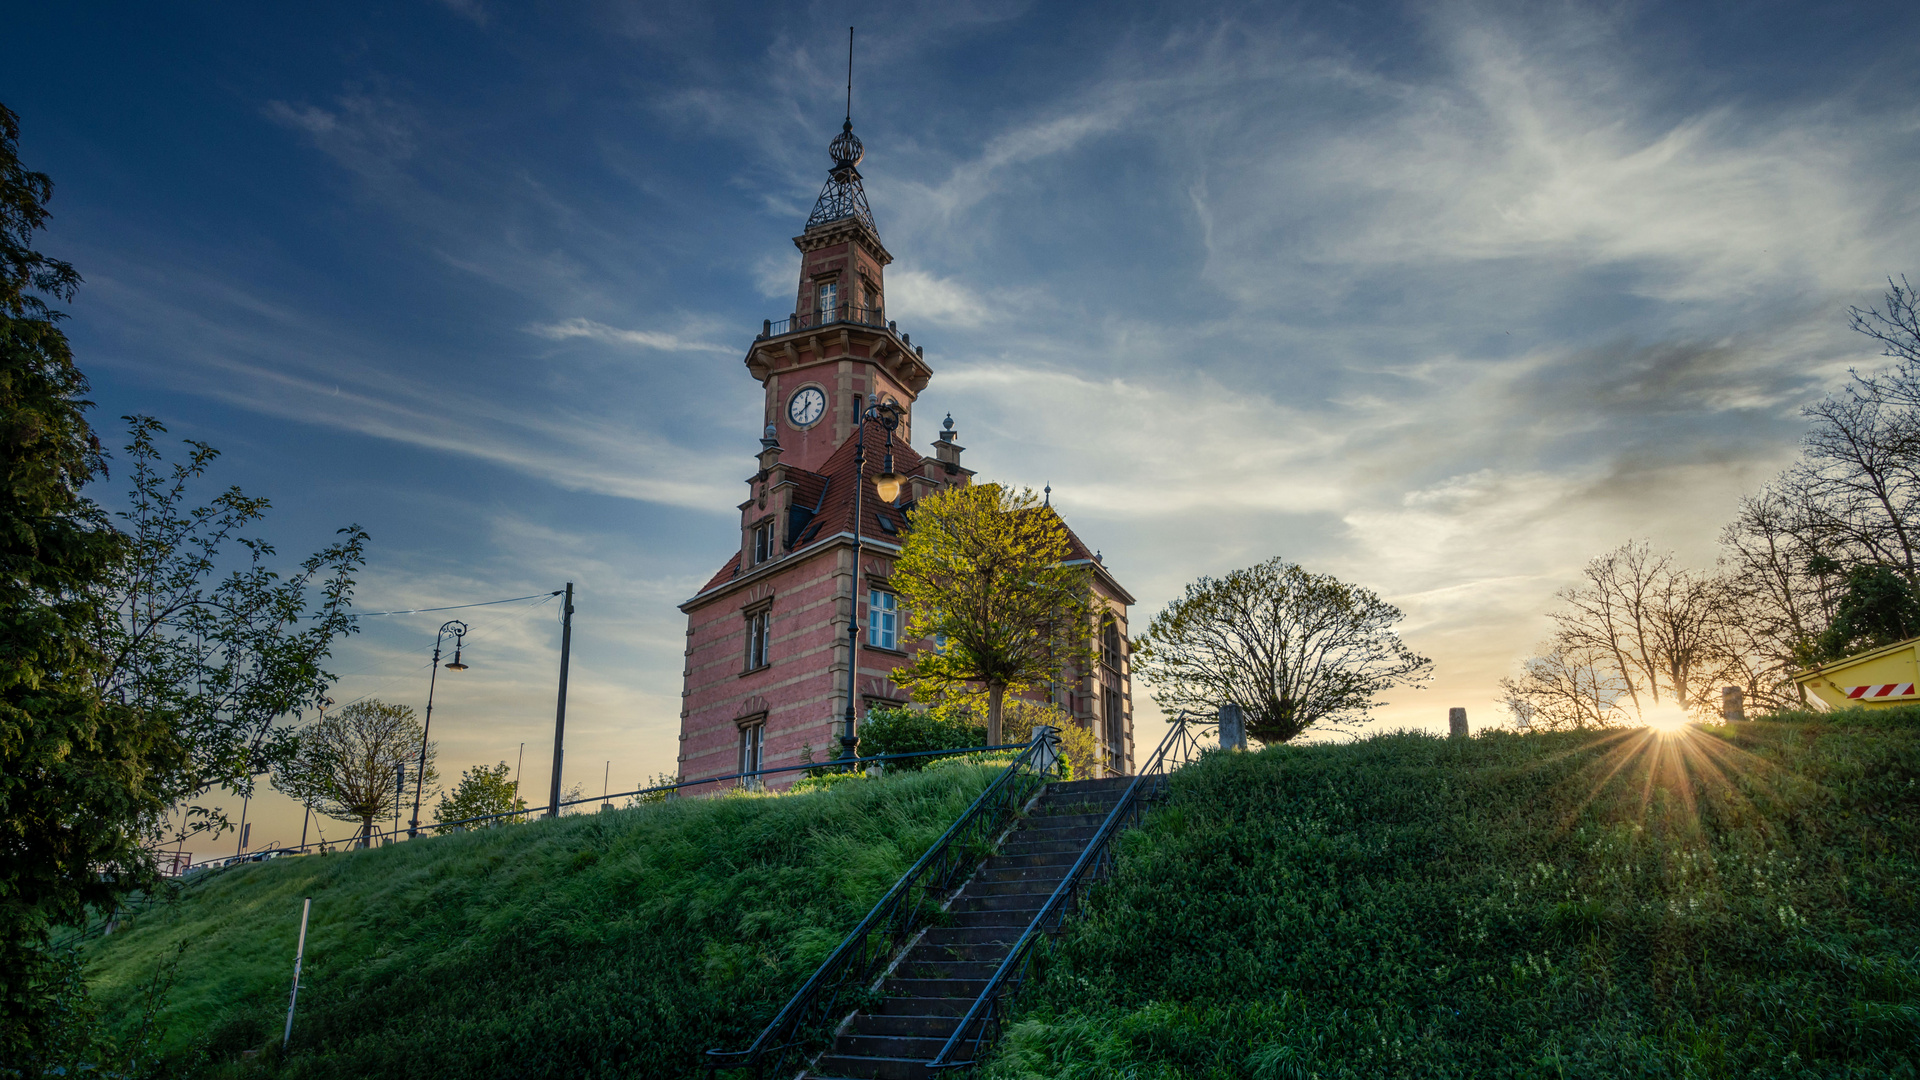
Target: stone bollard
[[1456, 723], [1233, 728], [1733, 704]]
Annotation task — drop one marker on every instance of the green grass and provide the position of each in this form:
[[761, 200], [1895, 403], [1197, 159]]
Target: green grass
[[1742, 901], [619, 944]]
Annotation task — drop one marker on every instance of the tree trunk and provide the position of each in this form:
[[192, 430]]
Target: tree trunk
[[996, 696], [366, 832]]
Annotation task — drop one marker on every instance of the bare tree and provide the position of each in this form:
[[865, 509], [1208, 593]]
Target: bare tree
[[1290, 648], [1639, 631], [345, 764], [1567, 688]]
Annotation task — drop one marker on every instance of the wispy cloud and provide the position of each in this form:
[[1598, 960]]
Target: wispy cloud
[[578, 327]]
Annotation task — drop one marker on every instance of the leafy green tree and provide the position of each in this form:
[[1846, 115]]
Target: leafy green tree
[[201, 632], [346, 764], [1877, 607], [985, 572], [1289, 647], [82, 778], [483, 790]]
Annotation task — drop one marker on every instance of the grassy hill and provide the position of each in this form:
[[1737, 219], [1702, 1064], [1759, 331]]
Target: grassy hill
[[1727, 903], [1732, 902], [618, 944]]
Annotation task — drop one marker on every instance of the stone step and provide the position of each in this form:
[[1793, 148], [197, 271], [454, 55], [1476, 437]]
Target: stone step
[[921, 1048], [1020, 901], [1112, 784], [949, 970], [989, 933], [1058, 821], [1079, 834], [1058, 861], [1005, 921], [1039, 886], [1053, 869], [925, 953], [934, 988], [1021, 849], [953, 1008], [869, 1068], [912, 1027]]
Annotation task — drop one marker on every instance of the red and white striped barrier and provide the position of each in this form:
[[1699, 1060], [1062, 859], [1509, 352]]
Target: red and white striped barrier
[[1892, 689]]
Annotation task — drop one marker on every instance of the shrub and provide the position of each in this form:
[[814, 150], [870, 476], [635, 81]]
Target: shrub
[[909, 731]]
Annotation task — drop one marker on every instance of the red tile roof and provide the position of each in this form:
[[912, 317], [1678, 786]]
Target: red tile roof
[[829, 494]]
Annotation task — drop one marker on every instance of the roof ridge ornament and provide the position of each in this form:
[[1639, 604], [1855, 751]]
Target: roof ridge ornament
[[843, 197]]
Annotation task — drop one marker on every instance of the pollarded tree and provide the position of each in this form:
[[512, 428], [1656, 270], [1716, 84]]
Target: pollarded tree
[[1289, 647], [345, 764], [984, 571]]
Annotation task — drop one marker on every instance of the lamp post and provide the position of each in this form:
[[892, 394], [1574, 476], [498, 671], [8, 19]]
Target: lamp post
[[887, 486], [459, 630]]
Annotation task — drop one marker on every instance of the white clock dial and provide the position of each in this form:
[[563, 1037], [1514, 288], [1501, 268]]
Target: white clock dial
[[806, 406]]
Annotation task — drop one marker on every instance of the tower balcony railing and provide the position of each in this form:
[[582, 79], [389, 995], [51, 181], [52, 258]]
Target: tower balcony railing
[[839, 313]]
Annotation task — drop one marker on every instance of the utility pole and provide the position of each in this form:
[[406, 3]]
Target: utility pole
[[560, 711]]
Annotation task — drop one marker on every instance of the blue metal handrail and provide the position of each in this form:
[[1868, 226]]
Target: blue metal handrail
[[861, 960], [988, 1013]]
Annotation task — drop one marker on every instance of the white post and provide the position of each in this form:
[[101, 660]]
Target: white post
[[299, 952]]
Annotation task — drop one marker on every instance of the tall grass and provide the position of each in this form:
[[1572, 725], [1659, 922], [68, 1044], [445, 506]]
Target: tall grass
[[1740, 901], [620, 944]]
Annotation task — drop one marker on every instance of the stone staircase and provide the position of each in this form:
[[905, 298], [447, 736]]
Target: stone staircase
[[939, 978]]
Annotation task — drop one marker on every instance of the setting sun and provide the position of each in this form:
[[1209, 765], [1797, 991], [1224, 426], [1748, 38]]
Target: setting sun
[[1667, 718]]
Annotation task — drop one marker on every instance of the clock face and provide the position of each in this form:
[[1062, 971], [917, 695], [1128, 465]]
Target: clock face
[[806, 406]]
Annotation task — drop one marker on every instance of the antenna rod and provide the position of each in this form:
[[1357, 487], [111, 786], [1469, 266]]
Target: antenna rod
[[849, 74]]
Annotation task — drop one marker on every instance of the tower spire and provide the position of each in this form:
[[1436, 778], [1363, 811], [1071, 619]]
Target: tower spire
[[843, 197]]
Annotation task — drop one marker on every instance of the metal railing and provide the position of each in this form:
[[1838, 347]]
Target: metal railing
[[361, 841], [984, 1020], [849, 977], [839, 313]]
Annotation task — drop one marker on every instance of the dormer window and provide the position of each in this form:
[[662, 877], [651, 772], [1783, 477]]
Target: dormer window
[[762, 542]]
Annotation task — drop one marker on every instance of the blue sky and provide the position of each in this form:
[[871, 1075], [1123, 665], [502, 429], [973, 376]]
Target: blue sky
[[1443, 299]]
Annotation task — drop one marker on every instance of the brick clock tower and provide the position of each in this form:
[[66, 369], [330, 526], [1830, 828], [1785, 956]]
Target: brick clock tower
[[767, 643]]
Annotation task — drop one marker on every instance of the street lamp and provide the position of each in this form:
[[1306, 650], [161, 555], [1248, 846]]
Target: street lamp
[[887, 485], [459, 631]]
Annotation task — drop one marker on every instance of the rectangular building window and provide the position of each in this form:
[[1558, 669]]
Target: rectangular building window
[[883, 619], [753, 746], [829, 301], [762, 542], [1116, 729], [759, 637]]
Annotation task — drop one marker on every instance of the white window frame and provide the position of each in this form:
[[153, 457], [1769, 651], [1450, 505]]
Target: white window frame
[[762, 542], [883, 619], [759, 637], [828, 299], [753, 753]]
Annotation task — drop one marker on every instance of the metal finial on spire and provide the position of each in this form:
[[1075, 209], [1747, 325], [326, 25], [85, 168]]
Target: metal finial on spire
[[843, 197], [1049, 493]]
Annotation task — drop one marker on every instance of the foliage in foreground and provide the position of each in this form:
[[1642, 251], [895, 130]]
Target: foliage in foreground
[[1742, 901], [622, 944]]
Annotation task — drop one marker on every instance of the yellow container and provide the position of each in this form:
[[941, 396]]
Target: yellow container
[[1881, 677]]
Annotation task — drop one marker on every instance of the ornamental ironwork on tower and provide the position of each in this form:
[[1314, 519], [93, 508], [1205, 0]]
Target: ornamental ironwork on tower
[[843, 197]]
